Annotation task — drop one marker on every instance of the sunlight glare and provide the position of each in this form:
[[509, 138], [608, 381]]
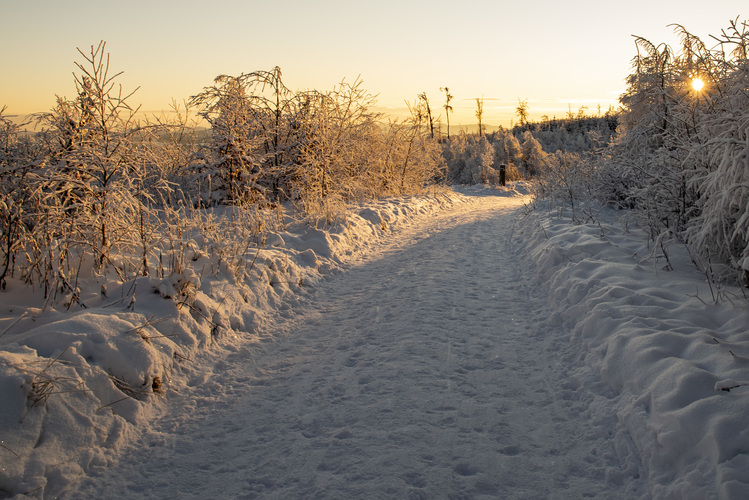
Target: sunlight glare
[[697, 84]]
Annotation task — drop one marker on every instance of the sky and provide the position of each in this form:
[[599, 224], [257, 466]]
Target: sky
[[557, 55]]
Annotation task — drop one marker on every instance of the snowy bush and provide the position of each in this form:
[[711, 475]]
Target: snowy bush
[[94, 192], [531, 154], [720, 228], [568, 179], [685, 148], [470, 160], [335, 162], [477, 159], [14, 189], [87, 191], [679, 158], [251, 134], [577, 133], [506, 149], [317, 149]]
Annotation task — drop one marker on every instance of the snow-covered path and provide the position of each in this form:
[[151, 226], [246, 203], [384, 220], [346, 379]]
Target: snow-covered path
[[431, 370]]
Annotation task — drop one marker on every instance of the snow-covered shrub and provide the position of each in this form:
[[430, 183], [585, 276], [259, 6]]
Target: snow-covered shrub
[[97, 194], [230, 168], [415, 154], [575, 134], [649, 150], [17, 155], [567, 179], [317, 149], [337, 131], [470, 160], [679, 158], [720, 228], [347, 154], [93, 187], [681, 153], [531, 154], [85, 195], [167, 144], [507, 149]]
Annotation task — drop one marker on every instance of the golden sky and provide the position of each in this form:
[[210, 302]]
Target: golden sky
[[555, 54]]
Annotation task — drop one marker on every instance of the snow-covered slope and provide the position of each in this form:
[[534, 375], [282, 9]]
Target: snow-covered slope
[[671, 353]]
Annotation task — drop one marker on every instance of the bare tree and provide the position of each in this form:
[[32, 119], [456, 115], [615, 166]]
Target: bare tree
[[522, 111], [448, 108], [480, 114], [425, 100]]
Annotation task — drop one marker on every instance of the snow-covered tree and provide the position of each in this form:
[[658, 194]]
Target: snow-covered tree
[[470, 160], [229, 167], [532, 154], [17, 159], [718, 134], [507, 149], [92, 157], [679, 158]]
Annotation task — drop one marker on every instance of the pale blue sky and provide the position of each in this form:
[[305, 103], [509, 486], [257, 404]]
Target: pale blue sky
[[552, 53]]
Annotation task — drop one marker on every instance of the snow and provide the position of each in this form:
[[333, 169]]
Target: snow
[[455, 345], [670, 354], [80, 383]]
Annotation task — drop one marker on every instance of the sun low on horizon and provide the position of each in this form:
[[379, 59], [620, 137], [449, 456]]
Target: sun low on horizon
[[558, 57]]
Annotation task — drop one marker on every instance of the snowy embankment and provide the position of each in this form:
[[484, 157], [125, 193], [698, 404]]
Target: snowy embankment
[[671, 352], [77, 386], [78, 381]]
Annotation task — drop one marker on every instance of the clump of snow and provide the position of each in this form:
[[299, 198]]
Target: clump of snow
[[76, 383], [673, 359]]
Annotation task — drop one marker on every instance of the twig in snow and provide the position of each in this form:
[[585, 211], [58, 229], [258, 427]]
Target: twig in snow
[[7, 329], [113, 403], [43, 385], [149, 322], [179, 356], [697, 295], [299, 283], [2, 445], [259, 247]]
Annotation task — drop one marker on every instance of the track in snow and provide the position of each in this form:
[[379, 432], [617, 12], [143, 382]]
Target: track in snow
[[431, 370]]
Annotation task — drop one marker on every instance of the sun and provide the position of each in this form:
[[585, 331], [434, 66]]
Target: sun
[[697, 83]]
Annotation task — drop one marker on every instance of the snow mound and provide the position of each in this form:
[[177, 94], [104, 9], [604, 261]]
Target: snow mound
[[79, 377], [674, 360]]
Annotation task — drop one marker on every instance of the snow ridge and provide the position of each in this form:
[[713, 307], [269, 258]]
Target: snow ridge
[[672, 361]]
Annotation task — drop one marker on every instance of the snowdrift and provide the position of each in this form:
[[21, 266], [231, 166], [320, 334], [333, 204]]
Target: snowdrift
[[672, 351], [77, 383]]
